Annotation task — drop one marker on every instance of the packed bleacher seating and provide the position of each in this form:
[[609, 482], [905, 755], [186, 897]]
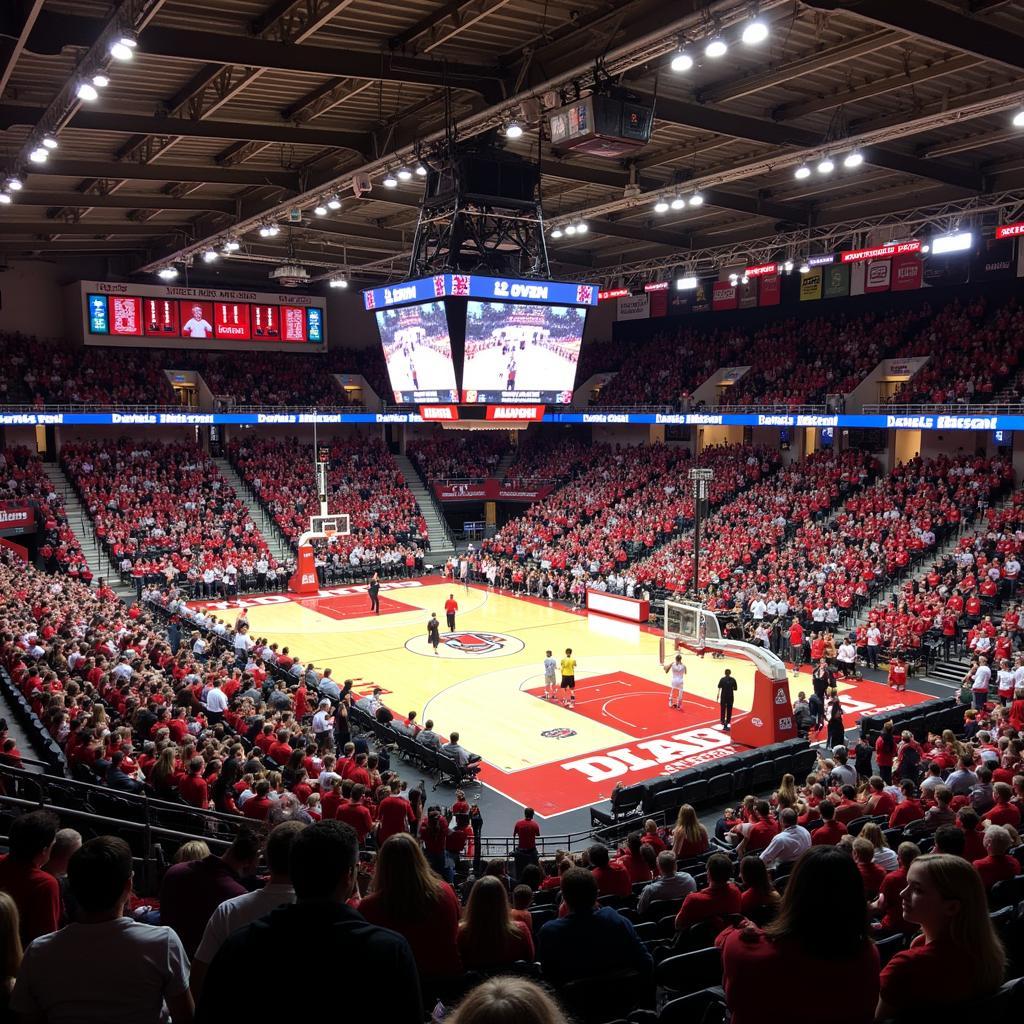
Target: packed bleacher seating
[[543, 460], [163, 511], [363, 480], [458, 456]]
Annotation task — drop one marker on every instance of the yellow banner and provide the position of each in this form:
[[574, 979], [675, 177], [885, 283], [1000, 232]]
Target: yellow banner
[[810, 285]]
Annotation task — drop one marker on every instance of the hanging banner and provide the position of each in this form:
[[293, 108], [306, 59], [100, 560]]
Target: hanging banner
[[878, 276], [634, 307], [658, 302], [810, 285], [995, 260], [941, 271], [857, 273], [490, 489], [724, 296], [770, 293], [836, 281], [748, 294], [907, 273]]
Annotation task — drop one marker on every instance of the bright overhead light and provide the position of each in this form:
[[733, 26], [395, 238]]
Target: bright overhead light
[[678, 203], [121, 50], [513, 130], [210, 255], [582, 228], [958, 242], [696, 199], [39, 155], [681, 62], [570, 229], [231, 245], [390, 181], [826, 166], [788, 266], [716, 48], [1018, 119], [661, 206], [15, 184], [557, 233], [5, 198], [803, 171], [167, 273], [338, 282], [264, 231], [755, 32], [49, 142], [854, 159], [334, 203], [744, 279], [686, 284], [926, 247], [100, 81], [273, 230], [421, 170], [404, 174], [320, 210], [87, 91], [805, 268]]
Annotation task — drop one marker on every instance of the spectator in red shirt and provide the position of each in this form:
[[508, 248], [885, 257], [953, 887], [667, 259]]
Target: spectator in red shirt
[[714, 904], [525, 832], [889, 903], [192, 787], [689, 837], [830, 831], [633, 860], [258, 806], [281, 750], [871, 874], [792, 946], [957, 957], [1004, 812], [909, 808], [36, 893], [489, 937], [394, 813], [998, 865], [848, 809], [612, 879], [355, 813], [758, 834], [407, 897]]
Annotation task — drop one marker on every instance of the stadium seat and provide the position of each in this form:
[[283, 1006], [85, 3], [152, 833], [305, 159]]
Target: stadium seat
[[604, 998], [690, 972], [719, 787]]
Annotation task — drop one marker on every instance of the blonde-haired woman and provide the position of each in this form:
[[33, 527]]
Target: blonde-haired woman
[[884, 856], [689, 837], [957, 944], [786, 795], [10, 950], [508, 1001]]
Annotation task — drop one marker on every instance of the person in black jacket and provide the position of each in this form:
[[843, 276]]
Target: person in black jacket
[[322, 866]]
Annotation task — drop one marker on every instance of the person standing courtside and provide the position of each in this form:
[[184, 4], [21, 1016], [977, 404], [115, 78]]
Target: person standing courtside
[[374, 591], [433, 631], [550, 682], [726, 696], [451, 606], [569, 679], [675, 693]]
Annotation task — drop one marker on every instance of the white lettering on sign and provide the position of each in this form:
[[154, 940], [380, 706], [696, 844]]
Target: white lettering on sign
[[119, 417], [400, 294], [817, 421], [519, 290], [775, 421], [614, 763], [909, 422], [966, 423]]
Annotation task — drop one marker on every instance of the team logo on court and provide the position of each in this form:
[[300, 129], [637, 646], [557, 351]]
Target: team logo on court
[[558, 734], [468, 643]]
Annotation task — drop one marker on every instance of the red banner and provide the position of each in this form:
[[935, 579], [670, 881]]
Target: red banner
[[231, 320], [1010, 230], [125, 315], [17, 518], [490, 489], [659, 303], [723, 296], [512, 413], [161, 317], [771, 290], [881, 252], [907, 273], [878, 276], [435, 413]]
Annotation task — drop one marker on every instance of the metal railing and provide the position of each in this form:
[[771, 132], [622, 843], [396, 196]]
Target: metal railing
[[955, 409], [763, 409]]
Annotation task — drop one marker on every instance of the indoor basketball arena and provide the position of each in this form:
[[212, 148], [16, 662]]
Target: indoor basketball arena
[[511, 511]]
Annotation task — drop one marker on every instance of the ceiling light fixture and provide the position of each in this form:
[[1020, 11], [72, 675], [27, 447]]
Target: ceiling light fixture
[[100, 81], [788, 266], [661, 206], [320, 210], [513, 130], [805, 268], [167, 273], [570, 229], [39, 155], [334, 203], [14, 183], [803, 171], [210, 255], [5, 198], [390, 181], [123, 47], [1018, 119], [826, 166], [421, 170], [582, 228], [678, 203], [49, 142], [557, 233], [697, 199], [681, 62], [338, 282], [716, 47], [86, 91], [755, 32], [232, 245], [404, 174], [854, 159]]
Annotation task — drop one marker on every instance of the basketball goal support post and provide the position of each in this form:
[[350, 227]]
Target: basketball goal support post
[[770, 718]]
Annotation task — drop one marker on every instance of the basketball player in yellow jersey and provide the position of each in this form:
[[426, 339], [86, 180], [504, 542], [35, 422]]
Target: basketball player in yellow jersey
[[568, 679]]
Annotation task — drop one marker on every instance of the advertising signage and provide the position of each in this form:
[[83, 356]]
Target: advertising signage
[[476, 286]]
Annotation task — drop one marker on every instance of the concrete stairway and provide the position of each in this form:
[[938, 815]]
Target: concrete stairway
[[81, 525], [441, 541], [502, 467], [276, 540]]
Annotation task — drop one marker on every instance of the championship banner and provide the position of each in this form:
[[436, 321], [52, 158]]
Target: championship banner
[[995, 260], [771, 290], [748, 294], [634, 307], [907, 273], [810, 285], [835, 281], [724, 296], [878, 276], [658, 305]]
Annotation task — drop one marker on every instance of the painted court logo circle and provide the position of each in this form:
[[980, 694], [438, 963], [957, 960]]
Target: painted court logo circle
[[468, 643], [558, 734]]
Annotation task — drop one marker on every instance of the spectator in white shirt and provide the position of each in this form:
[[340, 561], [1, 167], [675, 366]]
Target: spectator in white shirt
[[789, 843], [216, 703], [323, 726]]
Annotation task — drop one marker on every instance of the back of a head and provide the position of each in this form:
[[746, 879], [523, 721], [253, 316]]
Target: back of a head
[[719, 868], [508, 1001], [279, 846], [322, 855], [667, 862], [99, 873], [824, 869], [403, 880], [30, 834], [950, 839], [579, 889], [598, 855], [787, 817]]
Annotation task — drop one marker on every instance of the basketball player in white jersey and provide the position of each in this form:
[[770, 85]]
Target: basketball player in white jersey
[[675, 693]]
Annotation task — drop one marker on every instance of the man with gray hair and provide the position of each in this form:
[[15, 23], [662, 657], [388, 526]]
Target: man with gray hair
[[789, 843], [669, 885]]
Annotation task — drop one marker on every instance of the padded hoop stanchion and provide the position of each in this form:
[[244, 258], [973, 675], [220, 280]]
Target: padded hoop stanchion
[[304, 580]]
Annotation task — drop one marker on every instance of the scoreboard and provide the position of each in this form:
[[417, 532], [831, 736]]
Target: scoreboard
[[113, 313]]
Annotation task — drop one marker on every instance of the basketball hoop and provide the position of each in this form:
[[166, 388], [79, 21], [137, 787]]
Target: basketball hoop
[[326, 528]]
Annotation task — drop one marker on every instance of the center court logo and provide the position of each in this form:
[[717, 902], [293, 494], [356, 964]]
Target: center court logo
[[468, 643], [558, 734]]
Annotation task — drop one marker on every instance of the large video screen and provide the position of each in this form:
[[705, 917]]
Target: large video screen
[[217, 320], [418, 352], [521, 353]]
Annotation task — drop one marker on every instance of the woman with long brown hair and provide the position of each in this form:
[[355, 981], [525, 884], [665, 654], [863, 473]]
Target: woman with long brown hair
[[489, 936], [957, 957], [407, 897], [10, 951], [689, 837]]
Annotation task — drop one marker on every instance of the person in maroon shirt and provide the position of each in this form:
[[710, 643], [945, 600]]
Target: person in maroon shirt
[[909, 808], [258, 806], [830, 831], [638, 869], [714, 904], [871, 874], [407, 897], [281, 750], [792, 946], [998, 865], [889, 903], [758, 835], [35, 893], [356, 814], [192, 787], [525, 832], [394, 814], [969, 823], [612, 879], [849, 809], [1003, 812], [957, 957]]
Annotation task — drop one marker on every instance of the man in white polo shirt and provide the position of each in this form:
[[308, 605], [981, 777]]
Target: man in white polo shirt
[[979, 685], [216, 703]]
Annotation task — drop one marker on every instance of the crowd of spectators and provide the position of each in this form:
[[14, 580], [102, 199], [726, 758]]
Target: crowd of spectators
[[544, 460], [363, 480], [462, 455], [164, 511]]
